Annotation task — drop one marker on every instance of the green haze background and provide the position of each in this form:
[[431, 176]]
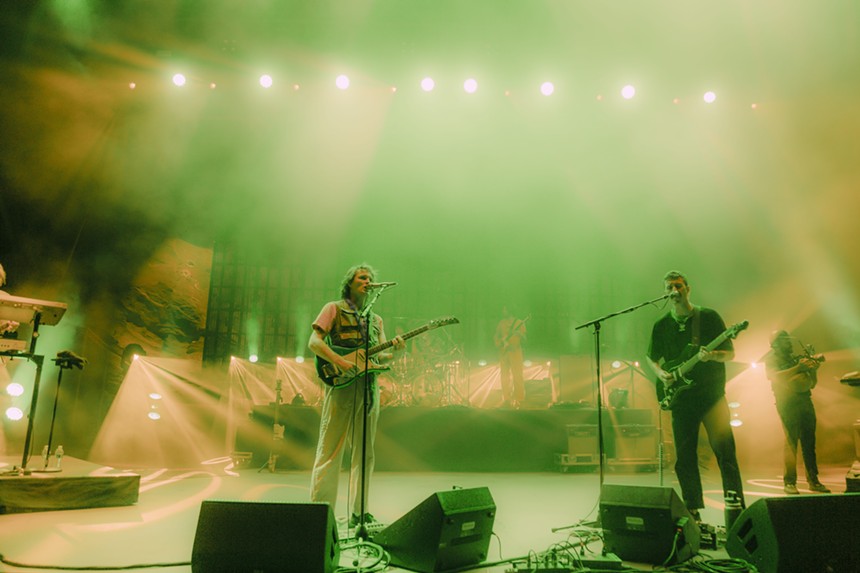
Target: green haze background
[[567, 207]]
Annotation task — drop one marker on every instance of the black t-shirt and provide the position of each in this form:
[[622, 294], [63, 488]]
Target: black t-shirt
[[668, 343]]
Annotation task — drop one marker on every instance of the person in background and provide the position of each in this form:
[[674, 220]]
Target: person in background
[[508, 338], [792, 379]]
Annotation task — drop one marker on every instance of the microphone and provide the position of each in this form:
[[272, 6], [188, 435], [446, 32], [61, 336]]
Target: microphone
[[381, 285], [674, 295]]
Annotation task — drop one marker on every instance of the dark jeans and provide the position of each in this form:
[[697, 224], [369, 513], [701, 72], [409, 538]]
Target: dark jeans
[[685, 428], [798, 421]]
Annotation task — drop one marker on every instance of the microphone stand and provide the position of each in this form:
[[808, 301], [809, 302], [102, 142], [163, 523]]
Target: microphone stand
[[361, 530], [596, 324]]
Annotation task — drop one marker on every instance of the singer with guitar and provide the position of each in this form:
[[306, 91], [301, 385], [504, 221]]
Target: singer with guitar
[[792, 379], [341, 324], [682, 334]]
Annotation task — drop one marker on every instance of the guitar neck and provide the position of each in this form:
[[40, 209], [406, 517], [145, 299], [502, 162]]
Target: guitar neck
[[406, 336], [689, 364], [514, 329]]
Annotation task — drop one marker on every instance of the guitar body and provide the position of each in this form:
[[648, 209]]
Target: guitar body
[[514, 329], [666, 396], [332, 376], [680, 366]]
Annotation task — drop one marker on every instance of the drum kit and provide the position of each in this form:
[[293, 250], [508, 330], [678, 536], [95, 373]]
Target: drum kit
[[431, 372]]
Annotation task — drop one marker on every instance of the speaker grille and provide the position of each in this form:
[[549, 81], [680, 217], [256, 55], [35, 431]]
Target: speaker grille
[[813, 534], [448, 530], [263, 537]]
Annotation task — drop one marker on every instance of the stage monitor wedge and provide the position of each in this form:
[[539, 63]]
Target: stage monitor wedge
[[448, 530], [265, 537], [639, 524], [808, 533]]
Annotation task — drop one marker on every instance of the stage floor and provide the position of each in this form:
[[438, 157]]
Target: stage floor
[[160, 528]]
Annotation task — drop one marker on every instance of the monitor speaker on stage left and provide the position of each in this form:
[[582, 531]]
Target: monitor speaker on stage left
[[265, 537], [448, 530]]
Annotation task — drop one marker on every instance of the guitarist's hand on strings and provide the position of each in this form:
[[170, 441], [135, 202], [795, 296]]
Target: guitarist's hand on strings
[[715, 355], [667, 377], [807, 364], [397, 345]]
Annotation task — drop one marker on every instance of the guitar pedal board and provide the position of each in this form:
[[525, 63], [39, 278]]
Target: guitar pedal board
[[565, 562]]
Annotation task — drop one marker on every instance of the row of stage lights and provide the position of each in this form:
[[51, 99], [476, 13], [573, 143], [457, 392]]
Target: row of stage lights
[[428, 84]]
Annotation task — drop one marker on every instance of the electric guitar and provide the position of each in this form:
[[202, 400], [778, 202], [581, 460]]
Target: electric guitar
[[333, 376], [514, 329], [678, 368]]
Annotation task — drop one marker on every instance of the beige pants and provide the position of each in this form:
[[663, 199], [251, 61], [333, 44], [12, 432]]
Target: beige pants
[[341, 425]]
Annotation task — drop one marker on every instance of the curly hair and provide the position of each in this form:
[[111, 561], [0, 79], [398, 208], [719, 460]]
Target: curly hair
[[350, 274]]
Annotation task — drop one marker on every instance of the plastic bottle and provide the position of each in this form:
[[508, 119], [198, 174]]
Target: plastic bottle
[[59, 455], [45, 455], [733, 508]]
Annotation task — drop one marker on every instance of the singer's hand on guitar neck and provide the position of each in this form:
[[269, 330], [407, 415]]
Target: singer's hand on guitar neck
[[397, 344], [715, 355]]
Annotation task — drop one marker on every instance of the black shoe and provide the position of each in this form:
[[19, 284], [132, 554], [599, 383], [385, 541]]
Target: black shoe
[[790, 489], [818, 487], [368, 519]]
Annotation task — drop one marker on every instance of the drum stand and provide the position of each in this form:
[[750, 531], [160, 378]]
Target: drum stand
[[400, 375], [277, 433], [453, 396]]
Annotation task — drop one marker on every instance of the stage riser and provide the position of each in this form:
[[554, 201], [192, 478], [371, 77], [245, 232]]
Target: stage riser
[[67, 489], [435, 439]]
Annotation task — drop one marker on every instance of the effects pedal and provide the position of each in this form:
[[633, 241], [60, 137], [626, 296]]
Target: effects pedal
[[707, 536], [601, 562], [566, 563]]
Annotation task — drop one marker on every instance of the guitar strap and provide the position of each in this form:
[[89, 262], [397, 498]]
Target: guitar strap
[[696, 328]]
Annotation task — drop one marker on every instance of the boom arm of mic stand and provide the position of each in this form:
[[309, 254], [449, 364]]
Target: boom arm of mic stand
[[596, 321]]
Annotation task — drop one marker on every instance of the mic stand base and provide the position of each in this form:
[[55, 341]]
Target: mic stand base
[[47, 471]]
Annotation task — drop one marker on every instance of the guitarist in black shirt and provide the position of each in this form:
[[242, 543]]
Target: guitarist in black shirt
[[681, 336]]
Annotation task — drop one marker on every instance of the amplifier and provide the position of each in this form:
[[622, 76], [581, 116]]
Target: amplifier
[[582, 446], [635, 442]]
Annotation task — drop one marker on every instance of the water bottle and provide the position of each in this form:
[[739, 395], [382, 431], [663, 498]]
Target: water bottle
[[59, 455], [733, 508], [45, 454]]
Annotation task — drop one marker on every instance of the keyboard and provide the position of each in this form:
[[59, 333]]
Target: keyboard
[[11, 345]]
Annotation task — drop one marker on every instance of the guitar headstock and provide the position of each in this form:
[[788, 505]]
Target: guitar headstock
[[444, 321], [736, 329]]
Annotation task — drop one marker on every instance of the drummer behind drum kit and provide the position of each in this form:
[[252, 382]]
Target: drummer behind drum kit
[[430, 373]]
